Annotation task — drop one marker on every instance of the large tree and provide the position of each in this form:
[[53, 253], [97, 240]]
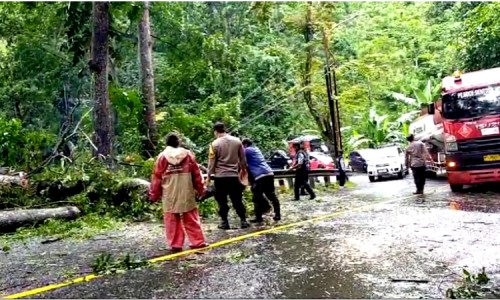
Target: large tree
[[103, 133], [147, 82]]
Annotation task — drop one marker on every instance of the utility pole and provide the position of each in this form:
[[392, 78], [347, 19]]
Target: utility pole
[[337, 112], [332, 101], [331, 107]]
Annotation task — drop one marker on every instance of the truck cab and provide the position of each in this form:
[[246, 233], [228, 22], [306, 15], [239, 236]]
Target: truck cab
[[470, 112]]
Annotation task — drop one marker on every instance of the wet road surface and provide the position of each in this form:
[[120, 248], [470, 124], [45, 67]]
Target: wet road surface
[[360, 254]]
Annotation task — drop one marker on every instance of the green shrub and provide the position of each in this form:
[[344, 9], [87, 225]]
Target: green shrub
[[22, 148]]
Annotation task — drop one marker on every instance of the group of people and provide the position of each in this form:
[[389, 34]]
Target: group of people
[[233, 163], [178, 182]]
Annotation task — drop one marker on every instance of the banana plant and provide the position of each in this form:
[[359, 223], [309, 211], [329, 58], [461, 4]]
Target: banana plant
[[426, 95], [376, 130]]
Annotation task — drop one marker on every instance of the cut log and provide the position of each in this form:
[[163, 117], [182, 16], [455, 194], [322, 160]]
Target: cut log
[[122, 193], [135, 183], [13, 219], [56, 191], [14, 180]]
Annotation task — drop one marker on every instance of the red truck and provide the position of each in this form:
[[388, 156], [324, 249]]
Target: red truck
[[469, 110]]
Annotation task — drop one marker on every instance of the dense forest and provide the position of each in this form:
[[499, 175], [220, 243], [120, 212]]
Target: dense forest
[[87, 87]]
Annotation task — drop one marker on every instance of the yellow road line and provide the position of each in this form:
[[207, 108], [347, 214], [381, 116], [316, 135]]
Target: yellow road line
[[87, 278]]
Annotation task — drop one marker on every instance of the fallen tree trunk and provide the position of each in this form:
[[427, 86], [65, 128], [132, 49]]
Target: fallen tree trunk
[[122, 193], [13, 219], [14, 180], [135, 183], [56, 191]]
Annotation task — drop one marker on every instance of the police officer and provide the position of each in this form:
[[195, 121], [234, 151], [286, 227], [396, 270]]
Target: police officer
[[301, 166], [341, 166]]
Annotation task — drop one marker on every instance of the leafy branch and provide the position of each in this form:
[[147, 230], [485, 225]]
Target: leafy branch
[[473, 286]]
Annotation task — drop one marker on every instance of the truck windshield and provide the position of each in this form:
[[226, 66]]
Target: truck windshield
[[472, 103]]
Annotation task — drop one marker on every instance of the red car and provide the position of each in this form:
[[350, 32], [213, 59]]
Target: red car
[[319, 160]]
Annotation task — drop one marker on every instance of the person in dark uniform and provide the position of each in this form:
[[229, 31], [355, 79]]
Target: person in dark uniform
[[301, 166], [341, 165], [302, 188]]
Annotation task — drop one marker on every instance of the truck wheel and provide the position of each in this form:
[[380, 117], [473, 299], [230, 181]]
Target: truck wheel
[[372, 178], [456, 187]]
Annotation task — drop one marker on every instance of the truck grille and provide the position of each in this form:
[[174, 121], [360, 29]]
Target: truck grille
[[487, 143], [472, 161]]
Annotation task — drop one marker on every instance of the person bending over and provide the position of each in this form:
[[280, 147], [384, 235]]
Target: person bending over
[[262, 179]]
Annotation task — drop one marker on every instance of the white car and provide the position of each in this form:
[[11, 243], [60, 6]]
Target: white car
[[387, 162]]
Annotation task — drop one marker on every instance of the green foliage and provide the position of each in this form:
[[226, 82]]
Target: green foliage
[[377, 130], [430, 93], [208, 208], [106, 264], [128, 107], [472, 287], [85, 227], [106, 192], [22, 147], [247, 201], [6, 248], [481, 37], [238, 62]]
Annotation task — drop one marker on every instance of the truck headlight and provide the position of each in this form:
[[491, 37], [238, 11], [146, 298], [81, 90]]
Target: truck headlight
[[450, 143], [451, 146]]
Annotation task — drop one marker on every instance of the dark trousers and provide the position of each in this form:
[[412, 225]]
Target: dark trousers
[[302, 180], [265, 187], [232, 187], [303, 191], [342, 177], [419, 177]]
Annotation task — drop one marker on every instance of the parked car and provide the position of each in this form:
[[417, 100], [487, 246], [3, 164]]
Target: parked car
[[320, 160], [358, 160], [387, 162], [279, 160]]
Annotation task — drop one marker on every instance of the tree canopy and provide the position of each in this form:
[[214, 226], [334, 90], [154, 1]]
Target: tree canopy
[[238, 62]]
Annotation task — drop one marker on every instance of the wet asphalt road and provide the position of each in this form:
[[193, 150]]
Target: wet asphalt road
[[355, 255]]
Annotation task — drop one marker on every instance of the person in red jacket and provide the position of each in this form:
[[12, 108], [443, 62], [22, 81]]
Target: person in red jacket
[[177, 181]]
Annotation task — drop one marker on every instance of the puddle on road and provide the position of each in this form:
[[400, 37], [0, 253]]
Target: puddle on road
[[486, 202], [483, 205], [314, 273]]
